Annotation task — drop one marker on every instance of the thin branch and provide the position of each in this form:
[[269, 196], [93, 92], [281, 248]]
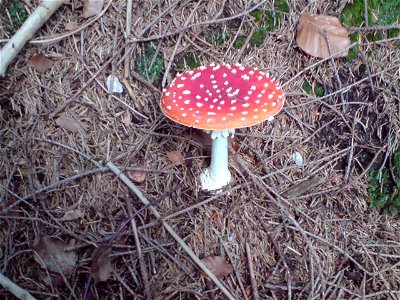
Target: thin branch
[[16, 290]]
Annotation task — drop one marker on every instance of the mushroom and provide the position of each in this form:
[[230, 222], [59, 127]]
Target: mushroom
[[221, 98]]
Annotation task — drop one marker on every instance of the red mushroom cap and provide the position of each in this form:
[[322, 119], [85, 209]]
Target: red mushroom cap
[[222, 97]]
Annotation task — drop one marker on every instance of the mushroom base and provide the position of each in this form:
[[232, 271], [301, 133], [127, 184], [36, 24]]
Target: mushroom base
[[211, 182]]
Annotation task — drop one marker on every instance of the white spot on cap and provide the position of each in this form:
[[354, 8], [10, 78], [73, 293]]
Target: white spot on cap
[[224, 75], [233, 101], [228, 89], [246, 98], [250, 92], [218, 91], [226, 82], [169, 107], [213, 81], [257, 101], [266, 84], [212, 76], [215, 100], [202, 68], [216, 67], [187, 101], [251, 72], [245, 112], [212, 64], [259, 95], [241, 68], [199, 104], [219, 107], [256, 109], [197, 121], [230, 114], [273, 103], [198, 97], [223, 118], [245, 77], [233, 108], [270, 96], [270, 118], [263, 92], [246, 105], [183, 77], [255, 116], [215, 86], [167, 93], [253, 87], [205, 99], [233, 71], [201, 86], [265, 110], [260, 77], [222, 102], [280, 96], [278, 87], [183, 115], [186, 92], [242, 119], [209, 120], [211, 113], [190, 108], [181, 85]]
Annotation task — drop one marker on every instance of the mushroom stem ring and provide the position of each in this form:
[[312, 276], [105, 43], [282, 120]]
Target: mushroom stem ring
[[217, 175]]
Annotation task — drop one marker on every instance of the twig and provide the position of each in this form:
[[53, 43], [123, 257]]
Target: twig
[[373, 28], [39, 16], [142, 263], [128, 33], [254, 289], [16, 290], [170, 230]]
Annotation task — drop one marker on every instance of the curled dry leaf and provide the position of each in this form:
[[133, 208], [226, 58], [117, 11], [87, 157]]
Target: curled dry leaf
[[70, 124], [311, 37], [92, 8], [41, 63], [51, 254], [101, 267], [138, 175], [176, 157], [217, 265]]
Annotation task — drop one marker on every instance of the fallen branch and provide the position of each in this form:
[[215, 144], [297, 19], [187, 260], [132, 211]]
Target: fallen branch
[[39, 16], [170, 230], [17, 291]]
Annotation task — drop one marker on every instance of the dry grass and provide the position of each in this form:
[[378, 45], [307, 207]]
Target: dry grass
[[323, 244]]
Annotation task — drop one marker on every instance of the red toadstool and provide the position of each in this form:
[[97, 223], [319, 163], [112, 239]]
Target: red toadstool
[[221, 97]]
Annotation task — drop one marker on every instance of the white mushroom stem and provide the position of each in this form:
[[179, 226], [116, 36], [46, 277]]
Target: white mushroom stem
[[217, 175]]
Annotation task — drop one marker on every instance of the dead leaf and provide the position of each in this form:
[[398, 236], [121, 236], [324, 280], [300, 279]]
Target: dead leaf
[[127, 120], [138, 175], [70, 124], [41, 63], [101, 267], [311, 37], [73, 215], [217, 265], [71, 26], [51, 254], [176, 157], [92, 8]]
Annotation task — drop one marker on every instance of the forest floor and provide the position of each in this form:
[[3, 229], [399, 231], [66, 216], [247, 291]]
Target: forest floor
[[311, 212]]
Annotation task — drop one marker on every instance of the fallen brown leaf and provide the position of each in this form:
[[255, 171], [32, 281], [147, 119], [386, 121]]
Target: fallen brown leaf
[[71, 26], [176, 157], [50, 253], [101, 267], [41, 63], [72, 215], [92, 8], [70, 124], [311, 37], [217, 265], [137, 175]]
